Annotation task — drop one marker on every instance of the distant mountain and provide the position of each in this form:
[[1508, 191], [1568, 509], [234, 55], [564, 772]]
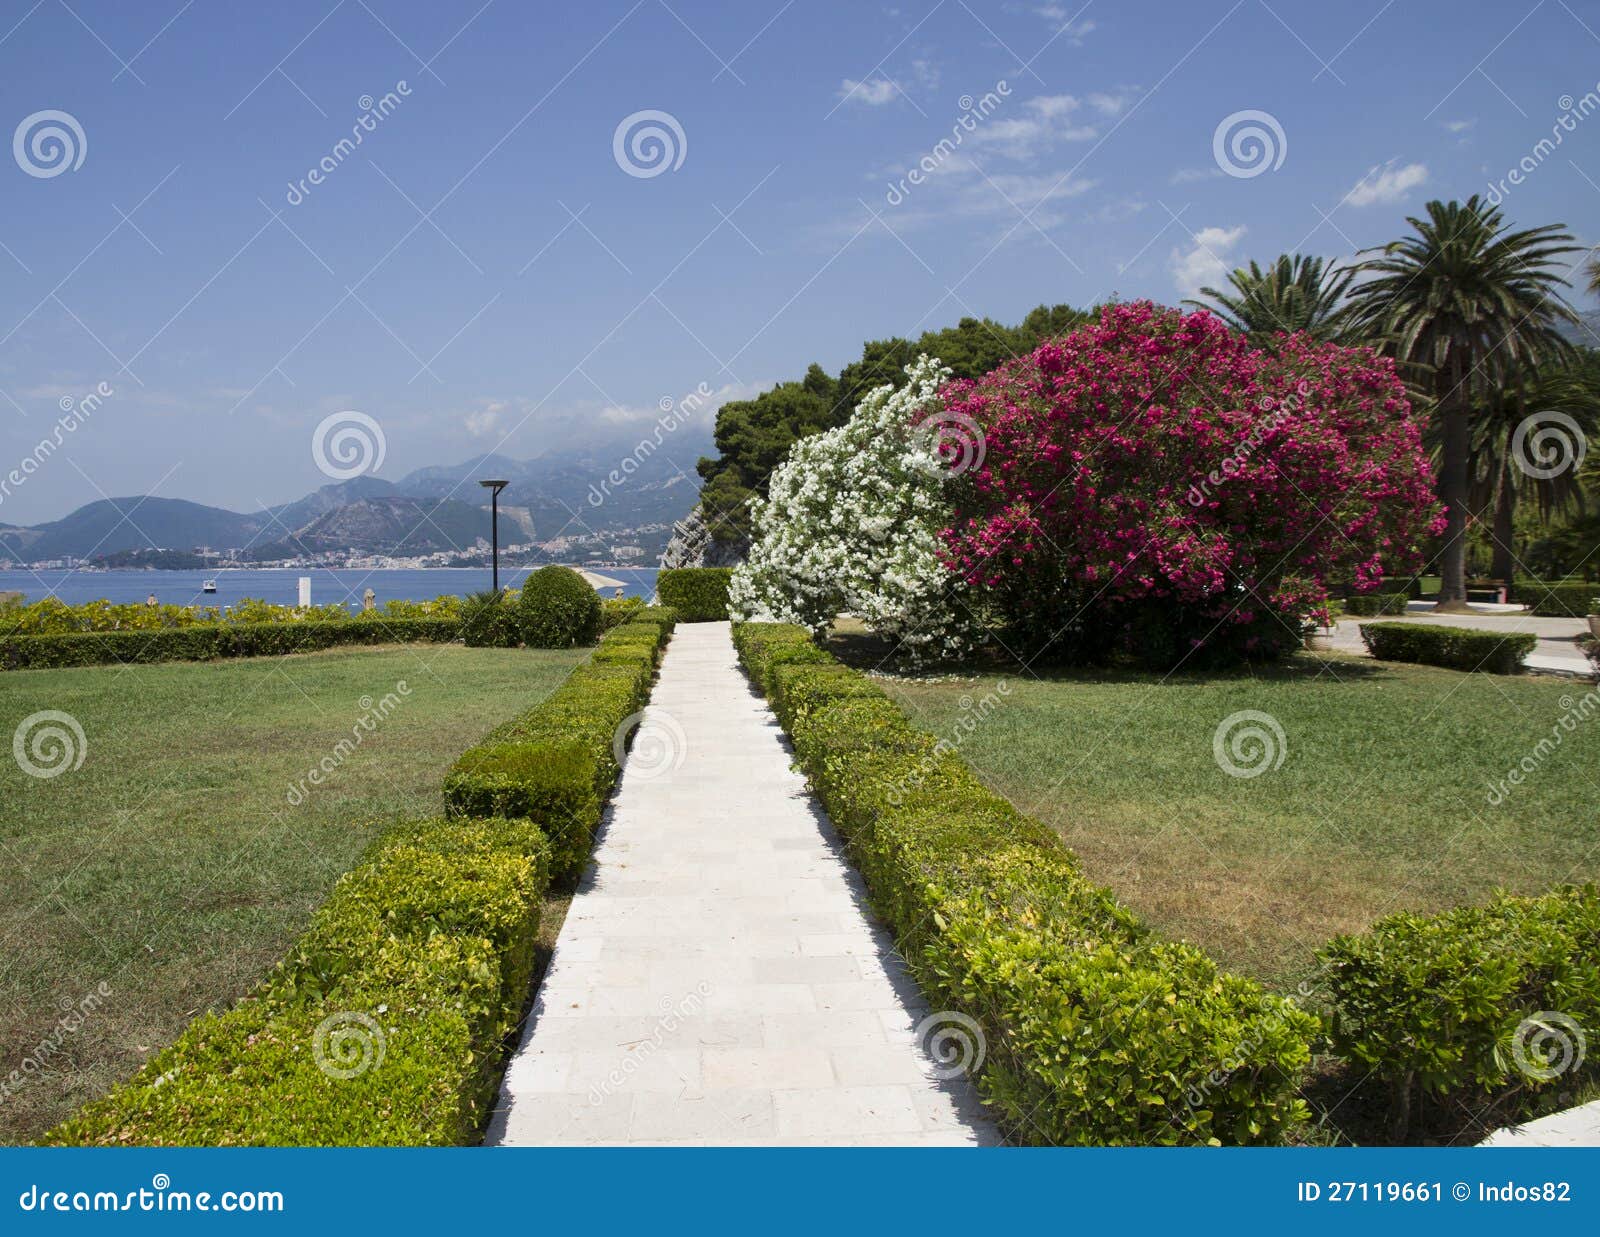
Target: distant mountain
[[114, 524], [1587, 331], [386, 526], [296, 515], [596, 492]]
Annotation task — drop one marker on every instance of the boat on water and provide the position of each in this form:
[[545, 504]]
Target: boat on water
[[209, 586]]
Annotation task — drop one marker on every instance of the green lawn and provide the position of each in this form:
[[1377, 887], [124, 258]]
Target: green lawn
[[1380, 803], [171, 867]]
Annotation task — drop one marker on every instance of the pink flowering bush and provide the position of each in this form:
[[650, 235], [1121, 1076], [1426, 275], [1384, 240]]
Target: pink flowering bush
[[1156, 484]]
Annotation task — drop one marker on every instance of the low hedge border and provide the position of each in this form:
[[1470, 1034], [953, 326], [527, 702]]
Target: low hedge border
[[1455, 648], [1095, 1032], [556, 763], [1557, 599], [1370, 604], [384, 1025], [698, 594], [1491, 999], [211, 642]]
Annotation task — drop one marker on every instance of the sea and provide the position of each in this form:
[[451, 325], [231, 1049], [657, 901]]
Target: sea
[[281, 585]]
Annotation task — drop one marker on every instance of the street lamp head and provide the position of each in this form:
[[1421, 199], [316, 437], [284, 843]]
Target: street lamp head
[[496, 485]]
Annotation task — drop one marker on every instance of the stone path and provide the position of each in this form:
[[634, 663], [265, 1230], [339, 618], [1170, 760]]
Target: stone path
[[1576, 1127], [719, 978]]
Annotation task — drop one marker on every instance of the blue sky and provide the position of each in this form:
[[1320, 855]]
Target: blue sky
[[483, 273]]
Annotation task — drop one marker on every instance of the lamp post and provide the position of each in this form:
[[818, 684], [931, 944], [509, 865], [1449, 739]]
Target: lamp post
[[494, 488]]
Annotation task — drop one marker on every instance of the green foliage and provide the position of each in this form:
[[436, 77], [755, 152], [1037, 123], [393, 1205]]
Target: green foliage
[[406, 984], [1455, 648], [1095, 1033], [559, 610], [1295, 293], [556, 763], [1369, 604], [489, 620], [754, 436], [1558, 598], [614, 610], [207, 642], [698, 594], [1461, 1003]]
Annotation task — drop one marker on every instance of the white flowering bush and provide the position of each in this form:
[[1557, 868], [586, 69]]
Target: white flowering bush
[[851, 524]]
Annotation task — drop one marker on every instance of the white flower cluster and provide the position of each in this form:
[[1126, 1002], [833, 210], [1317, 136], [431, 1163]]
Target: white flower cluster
[[851, 526]]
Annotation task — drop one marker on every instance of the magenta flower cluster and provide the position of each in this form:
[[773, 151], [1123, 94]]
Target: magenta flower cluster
[[1159, 456]]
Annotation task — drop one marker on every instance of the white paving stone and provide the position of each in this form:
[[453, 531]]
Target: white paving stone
[[719, 978], [1576, 1127]]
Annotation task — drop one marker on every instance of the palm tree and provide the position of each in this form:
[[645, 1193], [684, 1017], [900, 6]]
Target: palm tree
[[1295, 293], [1465, 305], [1592, 270], [1505, 440]]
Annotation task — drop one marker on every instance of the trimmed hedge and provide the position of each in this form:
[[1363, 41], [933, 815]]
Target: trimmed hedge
[[1456, 648], [698, 594], [1558, 599], [558, 609], [1095, 1032], [385, 1024], [490, 620], [209, 642], [556, 763], [1475, 999], [1368, 604]]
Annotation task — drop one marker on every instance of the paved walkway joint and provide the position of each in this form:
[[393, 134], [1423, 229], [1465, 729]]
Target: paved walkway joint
[[719, 978]]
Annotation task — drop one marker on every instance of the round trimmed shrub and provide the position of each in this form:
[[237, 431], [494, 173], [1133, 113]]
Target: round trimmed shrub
[[558, 609]]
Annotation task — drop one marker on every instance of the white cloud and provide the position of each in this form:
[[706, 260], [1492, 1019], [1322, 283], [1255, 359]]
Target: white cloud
[[1207, 262], [1058, 15], [1387, 184], [1185, 176], [1110, 103], [1460, 126], [874, 92], [1045, 120], [481, 422]]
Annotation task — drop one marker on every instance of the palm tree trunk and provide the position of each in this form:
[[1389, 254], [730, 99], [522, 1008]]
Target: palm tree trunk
[[1505, 508], [1453, 493]]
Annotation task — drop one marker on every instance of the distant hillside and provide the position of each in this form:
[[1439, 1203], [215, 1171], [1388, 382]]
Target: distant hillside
[[1587, 332], [599, 491], [114, 524], [387, 526]]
